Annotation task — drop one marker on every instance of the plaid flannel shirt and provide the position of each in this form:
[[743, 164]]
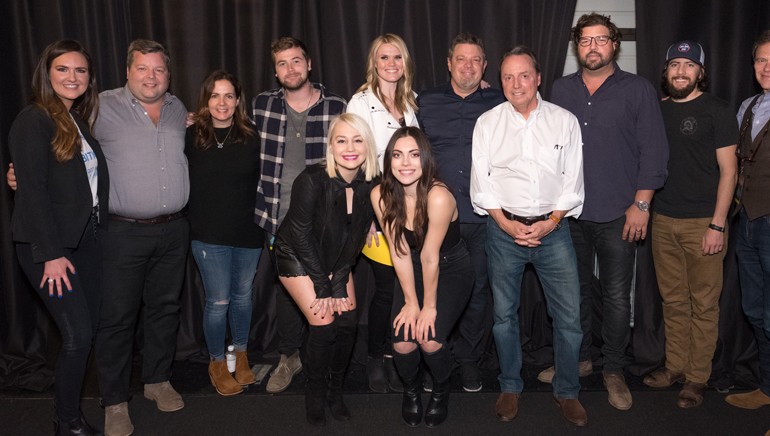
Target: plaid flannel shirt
[[269, 117]]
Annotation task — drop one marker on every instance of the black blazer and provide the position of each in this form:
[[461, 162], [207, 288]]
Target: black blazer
[[316, 228], [53, 200]]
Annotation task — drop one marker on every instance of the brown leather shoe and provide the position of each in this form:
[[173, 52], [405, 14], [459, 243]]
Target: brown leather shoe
[[618, 394], [507, 406], [663, 378], [691, 395], [572, 411], [749, 400], [243, 373]]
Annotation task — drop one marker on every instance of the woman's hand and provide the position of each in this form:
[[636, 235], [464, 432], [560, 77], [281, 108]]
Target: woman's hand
[[55, 273], [407, 318], [372, 236], [322, 306], [426, 324], [340, 305]]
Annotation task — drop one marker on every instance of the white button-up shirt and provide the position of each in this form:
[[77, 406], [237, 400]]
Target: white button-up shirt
[[527, 167]]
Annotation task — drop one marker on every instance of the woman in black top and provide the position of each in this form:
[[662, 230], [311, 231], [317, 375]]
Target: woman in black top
[[223, 155], [61, 201], [418, 215], [316, 245]]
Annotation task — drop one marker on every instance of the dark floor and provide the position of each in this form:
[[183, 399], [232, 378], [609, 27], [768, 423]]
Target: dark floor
[[256, 412]]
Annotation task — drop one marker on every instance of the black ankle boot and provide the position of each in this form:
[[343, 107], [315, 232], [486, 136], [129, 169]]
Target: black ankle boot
[[375, 372], [409, 368], [440, 364], [438, 405], [411, 405], [394, 381]]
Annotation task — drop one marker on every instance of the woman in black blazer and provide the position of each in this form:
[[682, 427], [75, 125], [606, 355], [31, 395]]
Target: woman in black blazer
[[60, 204]]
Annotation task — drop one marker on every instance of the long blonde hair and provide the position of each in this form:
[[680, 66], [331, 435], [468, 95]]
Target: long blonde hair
[[404, 98]]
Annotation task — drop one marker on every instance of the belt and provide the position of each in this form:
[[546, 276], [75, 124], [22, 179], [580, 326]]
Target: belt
[[157, 220], [526, 220]]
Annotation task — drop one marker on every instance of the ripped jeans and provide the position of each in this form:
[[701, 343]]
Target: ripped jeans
[[227, 274]]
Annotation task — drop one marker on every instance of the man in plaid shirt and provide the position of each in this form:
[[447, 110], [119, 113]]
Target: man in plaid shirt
[[292, 122]]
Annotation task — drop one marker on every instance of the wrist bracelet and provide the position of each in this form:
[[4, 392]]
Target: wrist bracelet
[[554, 218], [713, 226]]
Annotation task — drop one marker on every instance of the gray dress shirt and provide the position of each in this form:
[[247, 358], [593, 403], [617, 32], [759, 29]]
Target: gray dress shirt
[[148, 167]]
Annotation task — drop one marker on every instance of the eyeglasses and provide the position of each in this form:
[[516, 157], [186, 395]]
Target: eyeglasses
[[600, 40]]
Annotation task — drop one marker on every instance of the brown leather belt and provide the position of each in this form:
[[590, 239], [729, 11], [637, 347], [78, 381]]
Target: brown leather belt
[[157, 220], [526, 220]]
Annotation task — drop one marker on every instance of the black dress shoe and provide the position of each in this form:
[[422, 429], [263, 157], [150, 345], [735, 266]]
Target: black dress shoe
[[78, 427], [438, 406]]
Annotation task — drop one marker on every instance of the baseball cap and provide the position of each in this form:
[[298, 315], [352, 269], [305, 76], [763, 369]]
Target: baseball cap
[[686, 49]]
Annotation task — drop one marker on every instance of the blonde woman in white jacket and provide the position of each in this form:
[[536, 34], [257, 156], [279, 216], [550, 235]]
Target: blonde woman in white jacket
[[386, 101]]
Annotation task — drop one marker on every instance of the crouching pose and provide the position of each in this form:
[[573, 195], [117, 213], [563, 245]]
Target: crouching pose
[[419, 217], [316, 245]]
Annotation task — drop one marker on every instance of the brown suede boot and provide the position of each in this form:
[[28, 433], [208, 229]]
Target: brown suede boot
[[221, 379], [243, 374]]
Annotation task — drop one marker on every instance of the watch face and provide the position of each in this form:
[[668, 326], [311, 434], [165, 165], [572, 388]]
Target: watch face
[[643, 206]]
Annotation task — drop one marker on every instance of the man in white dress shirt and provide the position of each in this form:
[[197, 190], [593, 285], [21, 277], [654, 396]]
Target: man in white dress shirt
[[527, 175]]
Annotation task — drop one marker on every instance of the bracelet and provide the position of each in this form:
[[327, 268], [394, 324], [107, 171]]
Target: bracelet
[[554, 218], [713, 226]]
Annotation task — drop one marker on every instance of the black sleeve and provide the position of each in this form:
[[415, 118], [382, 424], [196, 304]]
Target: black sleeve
[[306, 191]]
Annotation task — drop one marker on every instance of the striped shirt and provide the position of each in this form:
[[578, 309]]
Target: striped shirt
[[269, 117]]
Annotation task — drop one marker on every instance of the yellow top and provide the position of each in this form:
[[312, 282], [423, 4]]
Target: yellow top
[[379, 254]]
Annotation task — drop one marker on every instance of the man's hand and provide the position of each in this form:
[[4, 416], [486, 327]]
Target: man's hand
[[10, 177], [635, 228], [713, 242]]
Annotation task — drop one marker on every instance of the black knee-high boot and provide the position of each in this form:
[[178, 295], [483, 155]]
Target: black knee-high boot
[[408, 366], [318, 351], [440, 364], [343, 347]]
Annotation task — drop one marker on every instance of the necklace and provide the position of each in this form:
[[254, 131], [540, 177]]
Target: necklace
[[304, 117], [222, 144]]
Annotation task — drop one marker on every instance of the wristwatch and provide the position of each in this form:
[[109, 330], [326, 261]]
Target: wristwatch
[[643, 205]]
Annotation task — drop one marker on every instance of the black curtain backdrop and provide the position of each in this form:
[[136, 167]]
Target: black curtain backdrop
[[235, 35]]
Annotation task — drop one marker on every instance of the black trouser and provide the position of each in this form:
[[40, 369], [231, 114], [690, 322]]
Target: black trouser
[[76, 315], [290, 322], [379, 309], [475, 325], [143, 263]]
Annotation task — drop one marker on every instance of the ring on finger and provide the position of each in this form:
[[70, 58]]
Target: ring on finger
[[50, 280]]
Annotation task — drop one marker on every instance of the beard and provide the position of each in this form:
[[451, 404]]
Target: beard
[[595, 63], [680, 93], [296, 84]]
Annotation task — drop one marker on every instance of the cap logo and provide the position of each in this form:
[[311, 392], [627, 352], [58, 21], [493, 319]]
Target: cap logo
[[683, 47]]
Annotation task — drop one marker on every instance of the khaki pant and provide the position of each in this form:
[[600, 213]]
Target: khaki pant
[[690, 284]]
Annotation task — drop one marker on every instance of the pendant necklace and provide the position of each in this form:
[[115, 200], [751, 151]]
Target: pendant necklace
[[304, 117], [222, 144]]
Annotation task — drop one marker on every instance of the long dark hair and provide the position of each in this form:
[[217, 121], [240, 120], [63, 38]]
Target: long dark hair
[[66, 140], [392, 196], [204, 127]]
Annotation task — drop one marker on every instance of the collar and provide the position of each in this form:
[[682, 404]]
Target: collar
[[450, 91], [340, 183]]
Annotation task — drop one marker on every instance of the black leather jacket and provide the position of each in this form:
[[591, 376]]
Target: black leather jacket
[[318, 231]]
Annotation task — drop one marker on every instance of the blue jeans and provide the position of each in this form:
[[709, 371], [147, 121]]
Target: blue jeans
[[602, 241], [556, 266], [227, 274], [753, 249]]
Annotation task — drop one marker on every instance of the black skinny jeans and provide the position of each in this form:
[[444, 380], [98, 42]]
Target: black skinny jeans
[[76, 315]]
